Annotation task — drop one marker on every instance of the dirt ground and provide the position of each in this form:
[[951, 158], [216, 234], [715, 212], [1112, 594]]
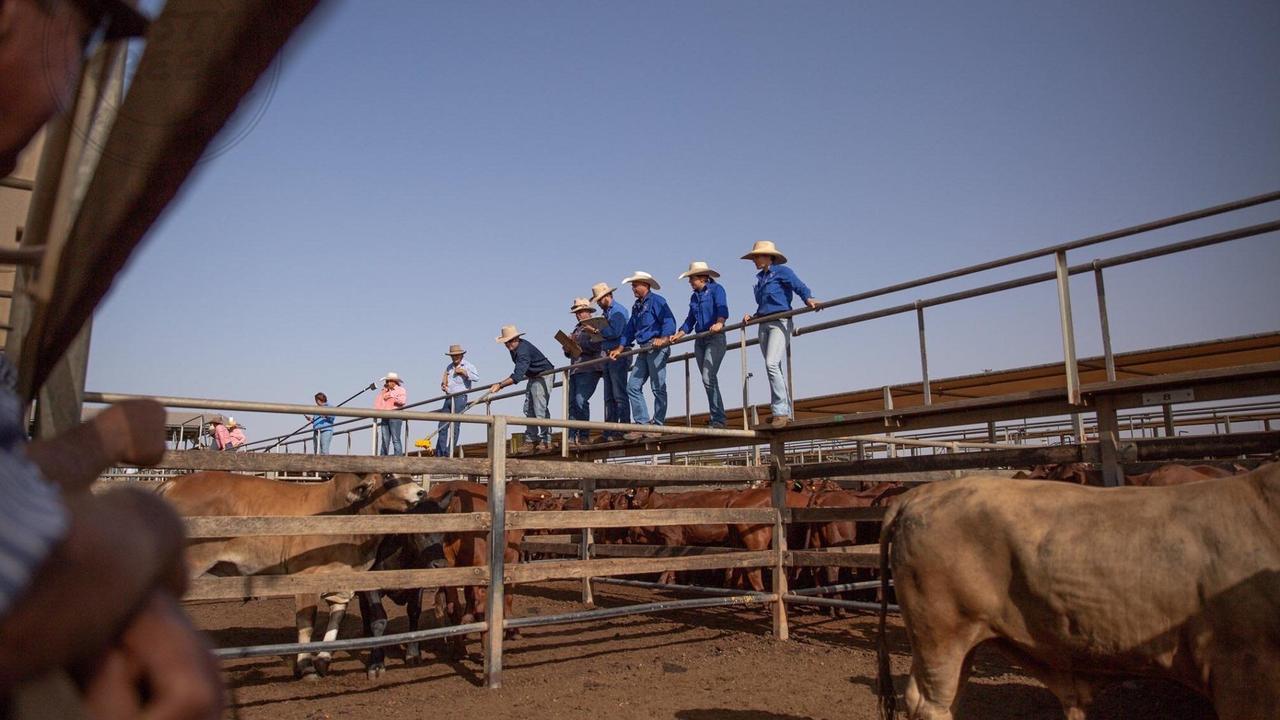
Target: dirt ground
[[705, 664]]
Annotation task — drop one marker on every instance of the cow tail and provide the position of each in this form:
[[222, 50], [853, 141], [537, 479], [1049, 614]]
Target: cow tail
[[884, 674]]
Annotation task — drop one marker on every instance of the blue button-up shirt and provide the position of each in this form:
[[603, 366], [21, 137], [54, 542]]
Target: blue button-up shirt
[[775, 287], [591, 349], [650, 318], [457, 383], [321, 423], [612, 333], [706, 306], [529, 360]]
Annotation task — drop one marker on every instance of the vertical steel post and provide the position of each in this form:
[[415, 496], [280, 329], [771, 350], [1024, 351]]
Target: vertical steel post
[[564, 415], [860, 449], [1068, 328], [991, 432], [588, 537], [1226, 424], [746, 396], [497, 551], [1168, 420], [791, 389], [1109, 440], [924, 356], [1077, 427], [888, 405], [688, 408], [781, 478], [1106, 325]]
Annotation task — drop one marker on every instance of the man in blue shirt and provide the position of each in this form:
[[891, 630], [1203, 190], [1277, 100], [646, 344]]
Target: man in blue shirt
[[458, 377], [616, 405], [530, 364], [776, 284], [651, 323], [583, 381], [708, 312], [321, 426]]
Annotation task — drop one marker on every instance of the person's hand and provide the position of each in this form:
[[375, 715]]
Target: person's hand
[[660, 342], [444, 387], [495, 388], [717, 326], [813, 303], [614, 353], [746, 318], [160, 668], [132, 432], [679, 334]]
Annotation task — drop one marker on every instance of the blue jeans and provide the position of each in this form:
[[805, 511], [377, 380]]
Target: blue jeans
[[448, 433], [616, 405], [582, 386], [775, 335], [322, 439], [651, 366], [390, 434], [708, 352], [537, 393]]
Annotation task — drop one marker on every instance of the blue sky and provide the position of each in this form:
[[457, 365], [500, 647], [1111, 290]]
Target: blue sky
[[421, 173]]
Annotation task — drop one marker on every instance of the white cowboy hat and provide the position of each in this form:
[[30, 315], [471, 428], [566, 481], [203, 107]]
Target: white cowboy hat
[[766, 247], [231, 423], [392, 377], [455, 350], [599, 290], [509, 333], [698, 267], [580, 304], [644, 277]]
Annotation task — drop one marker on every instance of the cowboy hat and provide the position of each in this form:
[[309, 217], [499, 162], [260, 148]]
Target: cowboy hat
[[644, 277], [392, 377], [698, 267], [580, 304], [455, 350], [509, 333], [599, 290], [231, 423], [766, 247]]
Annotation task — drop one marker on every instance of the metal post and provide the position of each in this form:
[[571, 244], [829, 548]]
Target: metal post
[[1226, 424], [564, 407], [888, 405], [688, 409], [778, 459], [373, 447], [1077, 426], [1109, 441], [924, 356], [1068, 329], [861, 449], [791, 390], [746, 396], [497, 550], [1168, 420], [1106, 326], [588, 537], [991, 432]]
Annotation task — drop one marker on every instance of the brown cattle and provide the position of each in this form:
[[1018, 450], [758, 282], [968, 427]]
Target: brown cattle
[[1174, 474], [227, 494], [706, 535], [760, 537], [846, 533], [1083, 586]]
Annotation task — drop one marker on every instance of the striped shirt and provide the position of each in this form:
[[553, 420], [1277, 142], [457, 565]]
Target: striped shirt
[[32, 516]]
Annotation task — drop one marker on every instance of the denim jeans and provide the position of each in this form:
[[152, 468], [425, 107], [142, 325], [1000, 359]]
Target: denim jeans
[[537, 393], [775, 335], [616, 406], [708, 352], [391, 434], [448, 433], [582, 386], [651, 366], [321, 439]]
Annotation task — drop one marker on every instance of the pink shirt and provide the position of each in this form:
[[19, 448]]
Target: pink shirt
[[390, 399], [221, 435], [237, 437]]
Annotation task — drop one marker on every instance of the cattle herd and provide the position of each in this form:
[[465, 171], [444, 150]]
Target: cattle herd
[[1177, 576]]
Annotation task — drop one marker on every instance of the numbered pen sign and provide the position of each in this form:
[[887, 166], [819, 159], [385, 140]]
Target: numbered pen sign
[[1168, 397]]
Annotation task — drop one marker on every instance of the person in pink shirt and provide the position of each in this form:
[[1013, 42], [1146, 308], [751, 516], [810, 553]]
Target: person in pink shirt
[[235, 435], [392, 396], [221, 435]]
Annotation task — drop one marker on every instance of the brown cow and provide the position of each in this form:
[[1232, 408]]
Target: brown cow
[[1175, 474], [706, 535], [845, 533], [1082, 586], [227, 494]]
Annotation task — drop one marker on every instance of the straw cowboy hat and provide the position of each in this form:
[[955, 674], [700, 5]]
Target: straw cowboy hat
[[698, 267], [393, 378], [455, 350], [231, 423], [509, 333], [644, 277], [599, 290], [766, 247], [580, 304]]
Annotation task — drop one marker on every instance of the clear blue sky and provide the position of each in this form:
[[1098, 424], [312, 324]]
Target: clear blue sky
[[424, 172]]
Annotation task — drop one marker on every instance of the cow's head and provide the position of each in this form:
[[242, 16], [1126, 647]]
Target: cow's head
[[385, 493]]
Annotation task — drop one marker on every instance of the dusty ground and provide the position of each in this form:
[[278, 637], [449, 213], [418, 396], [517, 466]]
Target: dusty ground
[[709, 664]]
